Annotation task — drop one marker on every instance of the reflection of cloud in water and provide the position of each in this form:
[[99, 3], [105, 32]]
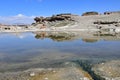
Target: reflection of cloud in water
[[17, 35]]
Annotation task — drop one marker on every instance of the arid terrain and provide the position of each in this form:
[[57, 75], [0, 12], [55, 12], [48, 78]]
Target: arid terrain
[[51, 63], [89, 21]]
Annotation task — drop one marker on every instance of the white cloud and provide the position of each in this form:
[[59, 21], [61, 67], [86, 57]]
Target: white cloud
[[20, 15], [20, 18]]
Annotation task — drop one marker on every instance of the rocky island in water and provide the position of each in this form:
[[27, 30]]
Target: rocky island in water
[[90, 27]]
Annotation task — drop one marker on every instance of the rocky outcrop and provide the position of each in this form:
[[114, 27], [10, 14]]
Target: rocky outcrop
[[106, 22], [58, 20], [113, 12], [90, 13], [58, 17], [109, 26]]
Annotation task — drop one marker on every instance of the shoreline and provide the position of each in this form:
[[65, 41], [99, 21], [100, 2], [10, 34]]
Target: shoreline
[[107, 23], [50, 30]]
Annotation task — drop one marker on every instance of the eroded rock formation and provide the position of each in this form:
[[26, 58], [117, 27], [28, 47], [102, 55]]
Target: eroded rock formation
[[90, 13], [111, 12], [58, 17], [106, 22]]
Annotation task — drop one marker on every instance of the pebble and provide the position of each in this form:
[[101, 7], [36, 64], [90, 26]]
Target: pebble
[[32, 74], [85, 78], [103, 63], [54, 71], [46, 78]]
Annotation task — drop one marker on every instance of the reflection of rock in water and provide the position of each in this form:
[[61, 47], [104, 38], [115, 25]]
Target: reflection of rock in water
[[107, 36], [109, 70], [85, 36], [56, 36], [90, 40], [62, 37], [41, 35]]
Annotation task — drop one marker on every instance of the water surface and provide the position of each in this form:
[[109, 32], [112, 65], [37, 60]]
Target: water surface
[[20, 51]]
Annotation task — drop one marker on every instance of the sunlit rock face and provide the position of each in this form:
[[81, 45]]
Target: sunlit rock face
[[55, 20], [58, 17]]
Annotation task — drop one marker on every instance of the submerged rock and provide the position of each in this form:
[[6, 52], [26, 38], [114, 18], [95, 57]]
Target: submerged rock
[[69, 71], [109, 70], [32, 74]]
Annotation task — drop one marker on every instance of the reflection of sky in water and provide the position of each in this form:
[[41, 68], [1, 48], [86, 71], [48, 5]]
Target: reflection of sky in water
[[29, 49], [12, 45]]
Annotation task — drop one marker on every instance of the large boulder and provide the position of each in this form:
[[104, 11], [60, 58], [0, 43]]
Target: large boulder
[[90, 13]]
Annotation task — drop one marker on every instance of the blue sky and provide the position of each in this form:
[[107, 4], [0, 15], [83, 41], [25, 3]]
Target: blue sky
[[29, 8]]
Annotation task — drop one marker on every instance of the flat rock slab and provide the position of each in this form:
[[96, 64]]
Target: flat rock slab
[[71, 71]]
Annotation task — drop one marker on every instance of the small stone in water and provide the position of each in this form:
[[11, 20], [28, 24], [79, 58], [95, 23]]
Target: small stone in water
[[32, 74], [54, 71], [46, 78]]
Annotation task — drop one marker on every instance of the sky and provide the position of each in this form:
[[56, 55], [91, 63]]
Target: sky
[[23, 11]]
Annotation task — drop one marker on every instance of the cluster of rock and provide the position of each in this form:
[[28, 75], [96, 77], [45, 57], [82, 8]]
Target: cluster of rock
[[58, 17], [113, 12], [90, 13], [67, 16], [106, 22], [113, 23], [13, 28], [96, 13], [58, 20], [107, 25]]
